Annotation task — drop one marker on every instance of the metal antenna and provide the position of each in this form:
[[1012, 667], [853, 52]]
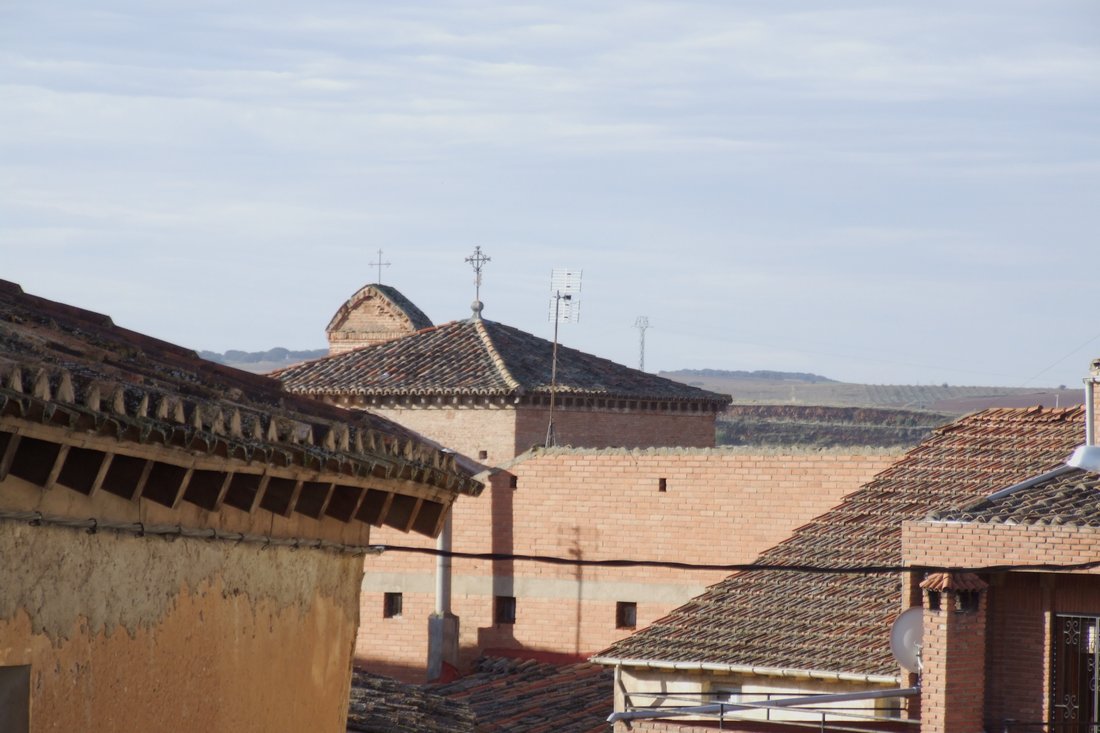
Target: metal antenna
[[477, 260], [565, 306], [380, 264], [642, 323]]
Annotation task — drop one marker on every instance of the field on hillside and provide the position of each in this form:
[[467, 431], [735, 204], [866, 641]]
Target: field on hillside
[[943, 398]]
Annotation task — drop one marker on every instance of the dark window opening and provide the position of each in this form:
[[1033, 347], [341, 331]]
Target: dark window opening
[[482, 455], [513, 482], [1075, 654], [966, 601], [15, 699], [626, 615], [504, 609], [662, 484], [392, 605], [933, 600]]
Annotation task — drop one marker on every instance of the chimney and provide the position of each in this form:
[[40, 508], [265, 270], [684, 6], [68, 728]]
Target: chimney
[[1092, 402]]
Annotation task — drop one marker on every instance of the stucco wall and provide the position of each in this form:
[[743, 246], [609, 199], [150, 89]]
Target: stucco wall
[[127, 633]]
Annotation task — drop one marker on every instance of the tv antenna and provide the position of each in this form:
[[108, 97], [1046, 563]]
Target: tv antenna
[[380, 264], [642, 323], [565, 307], [477, 260]]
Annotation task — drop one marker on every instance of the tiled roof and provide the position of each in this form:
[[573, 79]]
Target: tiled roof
[[534, 697], [1071, 499], [384, 705], [399, 303], [840, 623], [75, 370], [478, 357]]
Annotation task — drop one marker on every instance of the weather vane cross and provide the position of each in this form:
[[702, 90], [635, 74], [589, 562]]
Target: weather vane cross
[[477, 260], [380, 264]]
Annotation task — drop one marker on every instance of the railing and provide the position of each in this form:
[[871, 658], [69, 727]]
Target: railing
[[814, 711], [1069, 726]]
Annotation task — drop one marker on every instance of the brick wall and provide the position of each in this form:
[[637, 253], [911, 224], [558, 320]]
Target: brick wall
[[1021, 605], [717, 505], [372, 321], [953, 683], [485, 434], [615, 428], [495, 435]]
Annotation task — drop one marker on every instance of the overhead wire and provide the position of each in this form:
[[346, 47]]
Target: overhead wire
[[93, 525]]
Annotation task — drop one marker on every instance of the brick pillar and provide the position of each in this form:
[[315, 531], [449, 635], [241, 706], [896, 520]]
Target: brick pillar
[[953, 654]]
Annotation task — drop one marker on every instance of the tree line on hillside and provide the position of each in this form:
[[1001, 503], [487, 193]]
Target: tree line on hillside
[[276, 355]]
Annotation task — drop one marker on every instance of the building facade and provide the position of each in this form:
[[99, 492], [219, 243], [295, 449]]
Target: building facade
[[491, 391], [760, 636], [688, 505], [184, 543]]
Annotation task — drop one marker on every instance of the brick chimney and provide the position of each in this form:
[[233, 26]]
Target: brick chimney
[[953, 653]]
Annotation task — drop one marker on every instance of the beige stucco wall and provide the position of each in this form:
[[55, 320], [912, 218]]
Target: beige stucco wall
[[126, 633]]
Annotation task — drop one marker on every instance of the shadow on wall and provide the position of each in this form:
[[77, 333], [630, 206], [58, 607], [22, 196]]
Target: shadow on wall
[[499, 638], [501, 633]]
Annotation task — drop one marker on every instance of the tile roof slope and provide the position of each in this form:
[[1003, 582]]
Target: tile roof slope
[[417, 318], [60, 356], [534, 697], [840, 623], [1071, 499], [479, 357], [383, 705]]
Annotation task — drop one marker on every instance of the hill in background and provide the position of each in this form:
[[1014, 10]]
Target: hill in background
[[262, 362], [796, 388], [795, 409]]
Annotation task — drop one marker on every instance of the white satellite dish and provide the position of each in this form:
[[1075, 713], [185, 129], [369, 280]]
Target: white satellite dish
[[905, 638]]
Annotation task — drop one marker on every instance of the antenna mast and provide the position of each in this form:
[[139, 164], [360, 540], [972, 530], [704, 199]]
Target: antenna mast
[[642, 323], [565, 306]]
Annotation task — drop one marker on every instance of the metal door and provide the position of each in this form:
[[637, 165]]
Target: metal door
[[1076, 658]]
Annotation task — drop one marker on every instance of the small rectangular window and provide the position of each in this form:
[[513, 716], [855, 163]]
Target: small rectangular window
[[504, 609], [15, 699], [482, 455], [391, 605], [513, 482], [662, 484], [626, 615]]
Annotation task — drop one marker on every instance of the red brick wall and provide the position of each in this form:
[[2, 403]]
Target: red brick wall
[[1021, 605], [953, 683], [615, 428], [719, 505]]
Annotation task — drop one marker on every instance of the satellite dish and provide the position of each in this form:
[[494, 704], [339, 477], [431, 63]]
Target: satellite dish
[[905, 638]]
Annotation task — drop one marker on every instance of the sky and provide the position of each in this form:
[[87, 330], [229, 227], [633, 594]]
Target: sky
[[897, 192]]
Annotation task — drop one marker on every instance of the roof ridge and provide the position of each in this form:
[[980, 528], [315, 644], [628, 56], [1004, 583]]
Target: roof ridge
[[494, 354]]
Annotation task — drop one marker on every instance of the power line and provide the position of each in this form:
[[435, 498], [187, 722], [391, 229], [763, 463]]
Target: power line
[[736, 567], [172, 531]]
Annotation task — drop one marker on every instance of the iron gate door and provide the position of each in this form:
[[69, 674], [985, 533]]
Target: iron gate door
[[1076, 658]]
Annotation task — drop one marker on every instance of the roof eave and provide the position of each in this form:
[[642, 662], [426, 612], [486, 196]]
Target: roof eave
[[788, 672]]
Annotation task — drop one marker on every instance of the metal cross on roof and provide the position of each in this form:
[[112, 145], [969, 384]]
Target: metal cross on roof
[[477, 260], [380, 264]]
